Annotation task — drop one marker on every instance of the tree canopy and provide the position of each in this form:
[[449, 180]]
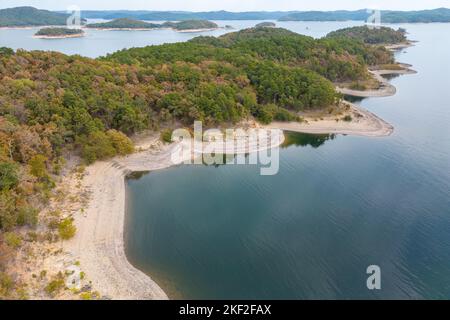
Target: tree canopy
[[52, 103]]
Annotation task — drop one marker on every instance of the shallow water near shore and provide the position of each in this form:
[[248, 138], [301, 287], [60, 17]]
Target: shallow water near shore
[[337, 205]]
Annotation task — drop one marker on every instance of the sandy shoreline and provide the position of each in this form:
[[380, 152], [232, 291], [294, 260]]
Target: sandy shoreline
[[386, 88], [84, 27], [60, 37], [364, 123], [151, 29], [99, 243]]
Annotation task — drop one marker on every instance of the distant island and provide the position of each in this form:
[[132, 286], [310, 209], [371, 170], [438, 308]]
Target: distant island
[[30, 17], [58, 33], [131, 24], [266, 25], [435, 15], [181, 15]]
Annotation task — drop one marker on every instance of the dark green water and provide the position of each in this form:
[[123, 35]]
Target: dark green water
[[338, 205]]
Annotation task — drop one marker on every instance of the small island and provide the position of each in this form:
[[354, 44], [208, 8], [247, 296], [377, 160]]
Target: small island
[[131, 24], [266, 25], [124, 24], [59, 33], [193, 25]]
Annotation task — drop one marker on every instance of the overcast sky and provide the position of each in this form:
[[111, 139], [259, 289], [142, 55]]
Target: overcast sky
[[230, 5]]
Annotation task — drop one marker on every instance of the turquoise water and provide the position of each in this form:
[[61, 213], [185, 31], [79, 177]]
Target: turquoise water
[[338, 205]]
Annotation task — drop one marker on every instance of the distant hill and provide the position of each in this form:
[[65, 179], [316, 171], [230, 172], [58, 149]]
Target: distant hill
[[29, 16], [424, 16], [435, 15], [341, 15]]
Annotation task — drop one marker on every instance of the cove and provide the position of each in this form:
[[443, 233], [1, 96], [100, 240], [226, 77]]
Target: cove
[[338, 205]]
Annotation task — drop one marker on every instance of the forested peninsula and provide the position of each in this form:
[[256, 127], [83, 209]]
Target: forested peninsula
[[55, 108]]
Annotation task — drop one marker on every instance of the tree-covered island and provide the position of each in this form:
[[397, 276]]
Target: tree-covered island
[[131, 24], [56, 32], [55, 107]]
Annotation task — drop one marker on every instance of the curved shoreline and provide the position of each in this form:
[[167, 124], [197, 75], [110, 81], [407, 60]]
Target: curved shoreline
[[364, 123], [386, 88], [99, 242]]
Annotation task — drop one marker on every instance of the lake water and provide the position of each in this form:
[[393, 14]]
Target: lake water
[[338, 204], [98, 43]]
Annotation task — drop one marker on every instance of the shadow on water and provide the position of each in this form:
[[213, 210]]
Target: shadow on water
[[391, 76], [292, 139], [353, 99], [136, 175], [305, 140]]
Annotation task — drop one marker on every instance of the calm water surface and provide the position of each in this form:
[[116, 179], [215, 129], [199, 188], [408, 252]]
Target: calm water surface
[[98, 43], [338, 205]]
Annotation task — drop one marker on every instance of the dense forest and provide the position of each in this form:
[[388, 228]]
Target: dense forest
[[337, 59], [52, 104], [29, 16], [58, 32], [379, 35]]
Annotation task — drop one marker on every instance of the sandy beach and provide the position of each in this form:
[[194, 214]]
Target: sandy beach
[[364, 123], [99, 242], [60, 37], [385, 90], [399, 46]]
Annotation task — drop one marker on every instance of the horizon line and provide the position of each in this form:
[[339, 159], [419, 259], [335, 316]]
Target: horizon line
[[231, 11]]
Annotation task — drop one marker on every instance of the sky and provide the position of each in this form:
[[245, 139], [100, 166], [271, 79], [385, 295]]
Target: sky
[[229, 5]]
